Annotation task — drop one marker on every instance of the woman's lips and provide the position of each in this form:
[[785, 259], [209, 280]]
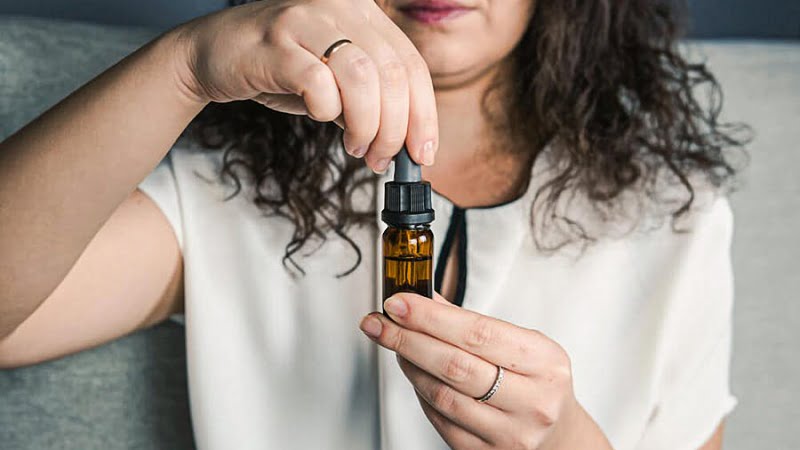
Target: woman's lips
[[433, 11]]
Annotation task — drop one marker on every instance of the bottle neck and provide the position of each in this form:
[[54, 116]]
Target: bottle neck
[[417, 226]]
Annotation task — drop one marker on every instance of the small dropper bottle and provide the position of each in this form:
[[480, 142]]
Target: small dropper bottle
[[408, 239]]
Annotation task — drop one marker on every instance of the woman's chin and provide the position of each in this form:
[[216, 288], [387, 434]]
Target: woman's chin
[[450, 61], [451, 76], [450, 80]]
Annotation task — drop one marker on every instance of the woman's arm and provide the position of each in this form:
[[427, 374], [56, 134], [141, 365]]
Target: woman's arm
[[715, 441], [64, 174], [129, 277]]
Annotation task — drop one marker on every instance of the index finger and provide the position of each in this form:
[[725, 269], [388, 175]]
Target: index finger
[[422, 137], [494, 340]]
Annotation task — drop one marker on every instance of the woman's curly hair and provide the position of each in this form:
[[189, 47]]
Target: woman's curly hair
[[600, 83]]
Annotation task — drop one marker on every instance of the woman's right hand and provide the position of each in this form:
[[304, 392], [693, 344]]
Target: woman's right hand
[[377, 89]]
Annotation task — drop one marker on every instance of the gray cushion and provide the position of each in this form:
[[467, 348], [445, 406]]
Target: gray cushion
[[129, 394], [42, 61]]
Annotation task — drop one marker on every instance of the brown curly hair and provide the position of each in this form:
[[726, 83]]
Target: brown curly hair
[[602, 81]]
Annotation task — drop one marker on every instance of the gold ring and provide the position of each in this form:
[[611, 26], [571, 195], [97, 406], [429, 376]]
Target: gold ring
[[335, 46]]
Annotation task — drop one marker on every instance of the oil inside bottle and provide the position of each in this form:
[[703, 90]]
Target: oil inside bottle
[[408, 261]]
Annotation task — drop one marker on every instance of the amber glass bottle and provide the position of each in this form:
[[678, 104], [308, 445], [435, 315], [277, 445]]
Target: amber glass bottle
[[408, 239], [408, 260]]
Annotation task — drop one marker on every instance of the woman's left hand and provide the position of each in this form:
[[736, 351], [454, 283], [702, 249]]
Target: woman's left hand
[[450, 355]]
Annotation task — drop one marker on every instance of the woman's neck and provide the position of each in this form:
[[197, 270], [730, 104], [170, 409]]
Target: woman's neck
[[472, 168]]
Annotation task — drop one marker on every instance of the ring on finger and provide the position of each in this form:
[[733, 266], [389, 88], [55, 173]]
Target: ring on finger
[[332, 49], [495, 386]]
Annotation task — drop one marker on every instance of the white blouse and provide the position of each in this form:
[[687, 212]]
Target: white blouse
[[277, 361]]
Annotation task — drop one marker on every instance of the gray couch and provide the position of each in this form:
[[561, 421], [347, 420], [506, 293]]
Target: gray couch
[[132, 393]]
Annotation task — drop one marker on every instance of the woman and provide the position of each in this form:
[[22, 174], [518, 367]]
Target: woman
[[582, 244]]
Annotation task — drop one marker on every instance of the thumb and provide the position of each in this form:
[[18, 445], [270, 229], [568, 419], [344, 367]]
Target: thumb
[[439, 299]]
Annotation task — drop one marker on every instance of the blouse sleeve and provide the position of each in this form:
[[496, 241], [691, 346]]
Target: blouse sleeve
[[161, 187], [693, 384]]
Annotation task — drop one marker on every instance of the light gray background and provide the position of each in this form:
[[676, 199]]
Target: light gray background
[[762, 84]]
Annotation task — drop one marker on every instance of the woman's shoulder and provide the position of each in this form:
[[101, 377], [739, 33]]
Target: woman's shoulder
[[186, 156], [187, 184], [198, 171], [706, 221], [657, 211]]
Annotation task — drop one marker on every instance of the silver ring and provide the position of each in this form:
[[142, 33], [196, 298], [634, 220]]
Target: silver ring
[[495, 386]]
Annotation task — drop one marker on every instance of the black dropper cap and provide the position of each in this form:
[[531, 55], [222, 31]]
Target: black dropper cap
[[407, 199]]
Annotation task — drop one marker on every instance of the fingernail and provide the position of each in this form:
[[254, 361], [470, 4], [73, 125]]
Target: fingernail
[[382, 164], [360, 151], [372, 327], [396, 306], [427, 153]]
